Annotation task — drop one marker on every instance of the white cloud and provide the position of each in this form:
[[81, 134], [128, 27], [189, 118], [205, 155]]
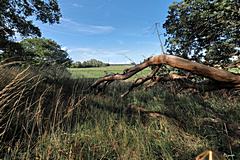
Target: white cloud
[[106, 55], [77, 5], [121, 56], [96, 51], [64, 48], [86, 28]]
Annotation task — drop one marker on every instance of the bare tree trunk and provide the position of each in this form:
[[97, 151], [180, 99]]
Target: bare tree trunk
[[221, 78]]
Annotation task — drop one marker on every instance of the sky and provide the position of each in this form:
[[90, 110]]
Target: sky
[[113, 31]]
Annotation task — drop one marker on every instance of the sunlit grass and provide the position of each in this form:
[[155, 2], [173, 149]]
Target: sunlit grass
[[97, 72], [42, 120]]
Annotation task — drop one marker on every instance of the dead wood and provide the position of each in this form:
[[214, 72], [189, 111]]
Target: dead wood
[[216, 78]]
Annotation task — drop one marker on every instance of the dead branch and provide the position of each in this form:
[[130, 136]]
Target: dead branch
[[135, 109], [141, 81], [218, 78]]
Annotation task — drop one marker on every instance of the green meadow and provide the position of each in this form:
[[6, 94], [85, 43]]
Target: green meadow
[[96, 72]]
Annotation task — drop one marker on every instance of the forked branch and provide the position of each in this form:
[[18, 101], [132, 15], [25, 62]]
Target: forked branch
[[220, 78]]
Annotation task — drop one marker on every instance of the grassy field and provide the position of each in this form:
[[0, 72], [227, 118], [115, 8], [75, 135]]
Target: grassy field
[[97, 72], [44, 119]]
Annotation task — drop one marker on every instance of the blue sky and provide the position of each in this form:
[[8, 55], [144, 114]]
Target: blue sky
[[114, 31]]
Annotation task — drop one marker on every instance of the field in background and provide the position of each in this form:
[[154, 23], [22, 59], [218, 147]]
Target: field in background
[[97, 72]]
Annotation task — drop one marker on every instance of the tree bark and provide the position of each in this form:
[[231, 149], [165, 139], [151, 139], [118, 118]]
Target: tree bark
[[221, 78]]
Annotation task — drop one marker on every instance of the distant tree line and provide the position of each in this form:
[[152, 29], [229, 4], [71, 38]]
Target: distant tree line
[[89, 63]]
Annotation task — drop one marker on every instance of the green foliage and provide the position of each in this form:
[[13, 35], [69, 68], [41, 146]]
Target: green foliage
[[89, 63], [15, 14], [12, 50], [15, 17], [44, 51], [77, 64], [204, 29]]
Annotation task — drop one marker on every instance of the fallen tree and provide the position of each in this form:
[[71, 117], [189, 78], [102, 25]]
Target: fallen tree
[[215, 78]]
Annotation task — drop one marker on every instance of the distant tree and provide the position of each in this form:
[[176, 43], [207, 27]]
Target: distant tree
[[16, 18], [133, 63], [76, 64], [44, 51], [89, 63], [204, 30]]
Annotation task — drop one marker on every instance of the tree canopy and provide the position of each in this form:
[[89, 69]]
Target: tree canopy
[[44, 51], [16, 16], [204, 30]]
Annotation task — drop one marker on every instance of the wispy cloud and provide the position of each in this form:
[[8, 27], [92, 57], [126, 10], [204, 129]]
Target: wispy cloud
[[106, 55], [96, 51], [86, 28], [64, 48], [76, 5]]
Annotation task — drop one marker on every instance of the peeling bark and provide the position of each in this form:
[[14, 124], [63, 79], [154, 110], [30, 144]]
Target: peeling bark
[[219, 78]]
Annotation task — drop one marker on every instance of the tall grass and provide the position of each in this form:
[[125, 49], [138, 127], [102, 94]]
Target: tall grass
[[31, 107], [42, 118]]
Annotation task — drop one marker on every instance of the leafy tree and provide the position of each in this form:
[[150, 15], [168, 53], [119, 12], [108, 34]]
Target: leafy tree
[[93, 63], [44, 51], [89, 63], [76, 64], [16, 17], [204, 30]]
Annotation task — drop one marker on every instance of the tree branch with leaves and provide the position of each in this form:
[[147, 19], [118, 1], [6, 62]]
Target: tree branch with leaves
[[16, 17]]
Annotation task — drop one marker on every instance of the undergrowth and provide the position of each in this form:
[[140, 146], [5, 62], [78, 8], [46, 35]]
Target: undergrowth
[[45, 119]]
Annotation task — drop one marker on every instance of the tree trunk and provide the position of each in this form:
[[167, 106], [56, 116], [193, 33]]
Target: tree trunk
[[220, 78]]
